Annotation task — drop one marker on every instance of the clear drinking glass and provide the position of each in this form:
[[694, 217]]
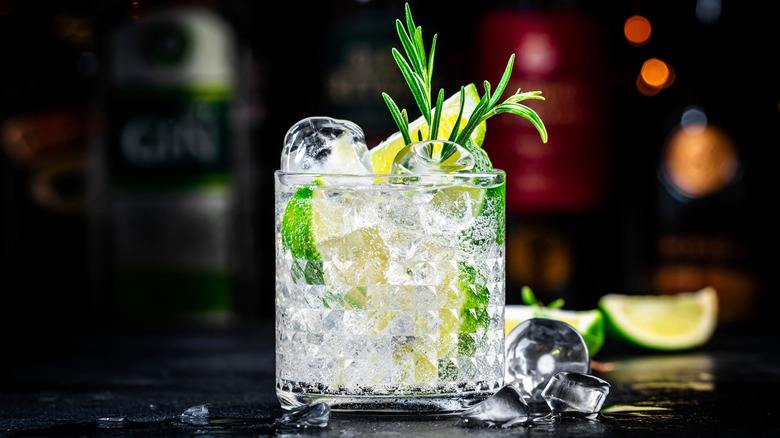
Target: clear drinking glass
[[389, 290]]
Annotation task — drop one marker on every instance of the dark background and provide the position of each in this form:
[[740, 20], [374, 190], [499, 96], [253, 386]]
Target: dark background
[[727, 66]]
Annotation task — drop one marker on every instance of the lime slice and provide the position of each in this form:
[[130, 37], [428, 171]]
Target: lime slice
[[662, 322], [590, 323], [382, 155], [296, 236]]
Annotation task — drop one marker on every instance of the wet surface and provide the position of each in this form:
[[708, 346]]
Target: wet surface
[[137, 382]]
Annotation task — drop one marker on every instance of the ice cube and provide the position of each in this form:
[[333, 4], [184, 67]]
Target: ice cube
[[114, 422], [196, 415], [576, 394], [327, 146], [315, 415], [432, 156], [539, 348], [505, 408]]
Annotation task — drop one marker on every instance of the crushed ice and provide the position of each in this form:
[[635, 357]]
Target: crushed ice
[[506, 408]]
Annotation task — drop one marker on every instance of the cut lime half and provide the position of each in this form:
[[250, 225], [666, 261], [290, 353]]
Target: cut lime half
[[662, 322]]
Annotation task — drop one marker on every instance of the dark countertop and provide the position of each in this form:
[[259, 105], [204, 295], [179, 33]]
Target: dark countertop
[[62, 383]]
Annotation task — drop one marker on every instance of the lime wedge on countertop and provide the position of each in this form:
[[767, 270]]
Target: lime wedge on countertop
[[662, 322]]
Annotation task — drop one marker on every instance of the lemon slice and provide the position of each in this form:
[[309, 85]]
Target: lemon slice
[[382, 155], [662, 322], [590, 323]]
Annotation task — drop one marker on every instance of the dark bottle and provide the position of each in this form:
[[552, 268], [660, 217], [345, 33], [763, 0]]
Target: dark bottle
[[164, 187], [359, 65], [694, 181], [555, 191], [702, 228]]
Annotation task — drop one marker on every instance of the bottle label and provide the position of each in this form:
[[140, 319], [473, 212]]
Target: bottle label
[[168, 138], [359, 69]]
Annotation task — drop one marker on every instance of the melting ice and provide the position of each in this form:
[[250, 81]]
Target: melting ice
[[505, 408], [576, 394], [327, 146]]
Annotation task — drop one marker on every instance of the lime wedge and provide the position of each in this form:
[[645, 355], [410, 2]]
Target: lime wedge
[[317, 227], [662, 322], [590, 323], [382, 155], [296, 235]]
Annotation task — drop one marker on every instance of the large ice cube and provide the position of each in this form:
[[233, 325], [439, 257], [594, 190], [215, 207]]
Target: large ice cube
[[504, 409], [327, 146], [539, 348], [576, 394], [432, 156]]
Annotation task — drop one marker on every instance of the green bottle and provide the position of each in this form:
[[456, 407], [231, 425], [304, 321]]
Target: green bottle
[[165, 197]]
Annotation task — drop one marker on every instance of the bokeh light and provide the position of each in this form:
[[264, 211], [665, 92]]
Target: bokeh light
[[139, 10], [637, 30], [708, 11], [654, 76], [693, 120], [699, 159], [655, 72]]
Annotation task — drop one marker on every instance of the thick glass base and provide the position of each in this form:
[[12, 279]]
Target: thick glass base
[[395, 404]]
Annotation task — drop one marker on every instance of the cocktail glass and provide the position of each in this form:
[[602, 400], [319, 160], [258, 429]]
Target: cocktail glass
[[390, 290]]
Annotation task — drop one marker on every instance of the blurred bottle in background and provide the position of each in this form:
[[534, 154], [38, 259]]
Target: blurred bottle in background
[[167, 180], [358, 65], [702, 228], [691, 217], [556, 239]]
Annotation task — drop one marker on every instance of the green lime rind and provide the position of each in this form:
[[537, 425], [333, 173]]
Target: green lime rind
[[482, 162], [661, 326], [474, 310], [614, 332], [474, 316], [662, 310], [298, 238], [594, 340]]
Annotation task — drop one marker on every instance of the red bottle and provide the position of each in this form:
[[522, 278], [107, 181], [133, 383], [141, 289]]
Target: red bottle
[[562, 53]]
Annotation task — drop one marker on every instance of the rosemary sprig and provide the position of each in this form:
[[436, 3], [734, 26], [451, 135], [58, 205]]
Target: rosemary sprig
[[417, 72], [488, 107]]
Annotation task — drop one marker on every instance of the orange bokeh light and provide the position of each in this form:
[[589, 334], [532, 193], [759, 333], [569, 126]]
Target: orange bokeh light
[[637, 30], [655, 72], [654, 76], [139, 10]]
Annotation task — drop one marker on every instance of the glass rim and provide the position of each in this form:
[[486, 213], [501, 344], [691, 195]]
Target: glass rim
[[490, 174]]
